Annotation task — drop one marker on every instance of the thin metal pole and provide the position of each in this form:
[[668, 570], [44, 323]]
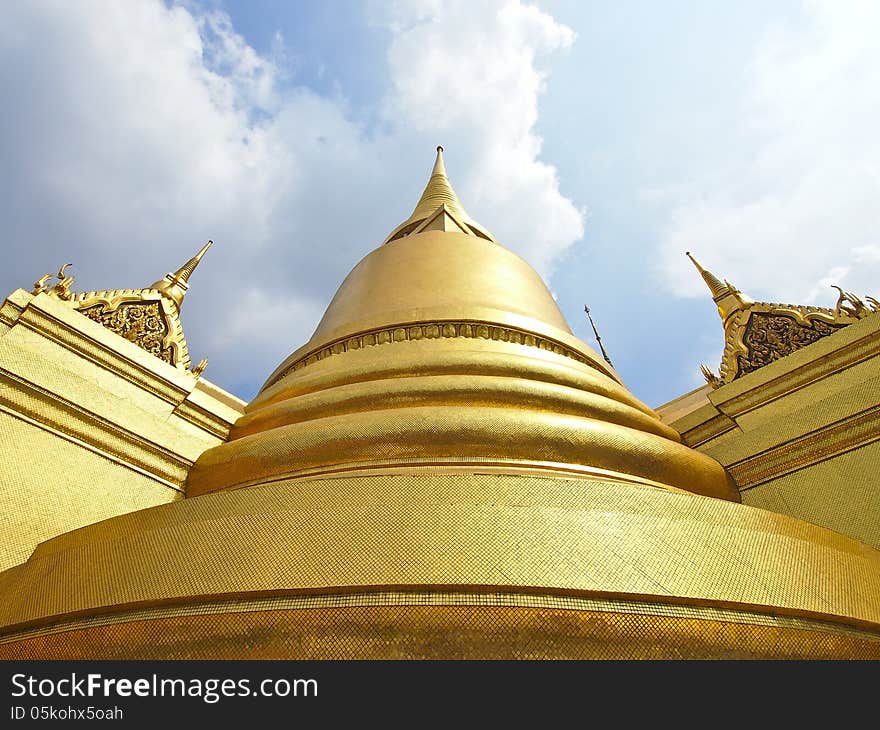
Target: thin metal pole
[[598, 338]]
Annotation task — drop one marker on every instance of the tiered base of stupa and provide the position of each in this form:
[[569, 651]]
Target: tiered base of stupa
[[439, 566]]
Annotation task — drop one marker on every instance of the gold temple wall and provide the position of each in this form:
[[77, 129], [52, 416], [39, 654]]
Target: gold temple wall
[[36, 506], [854, 510], [91, 426], [800, 436]]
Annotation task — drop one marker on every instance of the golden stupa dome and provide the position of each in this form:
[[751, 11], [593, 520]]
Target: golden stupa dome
[[445, 471], [443, 349]]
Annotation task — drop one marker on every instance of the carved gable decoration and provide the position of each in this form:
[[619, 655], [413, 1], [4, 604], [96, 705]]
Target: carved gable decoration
[[148, 318], [759, 333], [143, 320], [769, 336]]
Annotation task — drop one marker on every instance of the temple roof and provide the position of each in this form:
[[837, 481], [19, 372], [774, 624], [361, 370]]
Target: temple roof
[[148, 317], [758, 333]]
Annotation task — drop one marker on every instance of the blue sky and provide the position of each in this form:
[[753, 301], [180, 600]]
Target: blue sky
[[598, 140]]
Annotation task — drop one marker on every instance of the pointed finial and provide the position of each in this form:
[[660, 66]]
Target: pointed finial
[[713, 282], [439, 164], [598, 339], [728, 298], [185, 271], [174, 286], [437, 193]]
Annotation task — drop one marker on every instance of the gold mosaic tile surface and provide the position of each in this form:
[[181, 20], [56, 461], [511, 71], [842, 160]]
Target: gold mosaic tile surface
[[75, 487], [447, 530], [446, 630], [842, 493]]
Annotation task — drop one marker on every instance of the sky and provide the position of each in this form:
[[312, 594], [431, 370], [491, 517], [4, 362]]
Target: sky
[[598, 140]]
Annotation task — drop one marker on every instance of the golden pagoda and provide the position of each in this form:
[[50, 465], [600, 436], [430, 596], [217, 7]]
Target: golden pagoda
[[442, 471]]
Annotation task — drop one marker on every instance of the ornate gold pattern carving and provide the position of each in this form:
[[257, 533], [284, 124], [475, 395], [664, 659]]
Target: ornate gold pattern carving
[[761, 333], [431, 331], [143, 317], [148, 317], [141, 323], [838, 359], [769, 337]]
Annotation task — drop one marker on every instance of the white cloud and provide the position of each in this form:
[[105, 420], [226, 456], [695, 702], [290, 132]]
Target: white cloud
[[133, 131], [797, 206], [281, 307], [868, 254]]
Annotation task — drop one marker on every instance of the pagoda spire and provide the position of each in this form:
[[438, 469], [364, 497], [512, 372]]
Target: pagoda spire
[[440, 167], [175, 285], [713, 282], [729, 299], [439, 199], [438, 192]]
